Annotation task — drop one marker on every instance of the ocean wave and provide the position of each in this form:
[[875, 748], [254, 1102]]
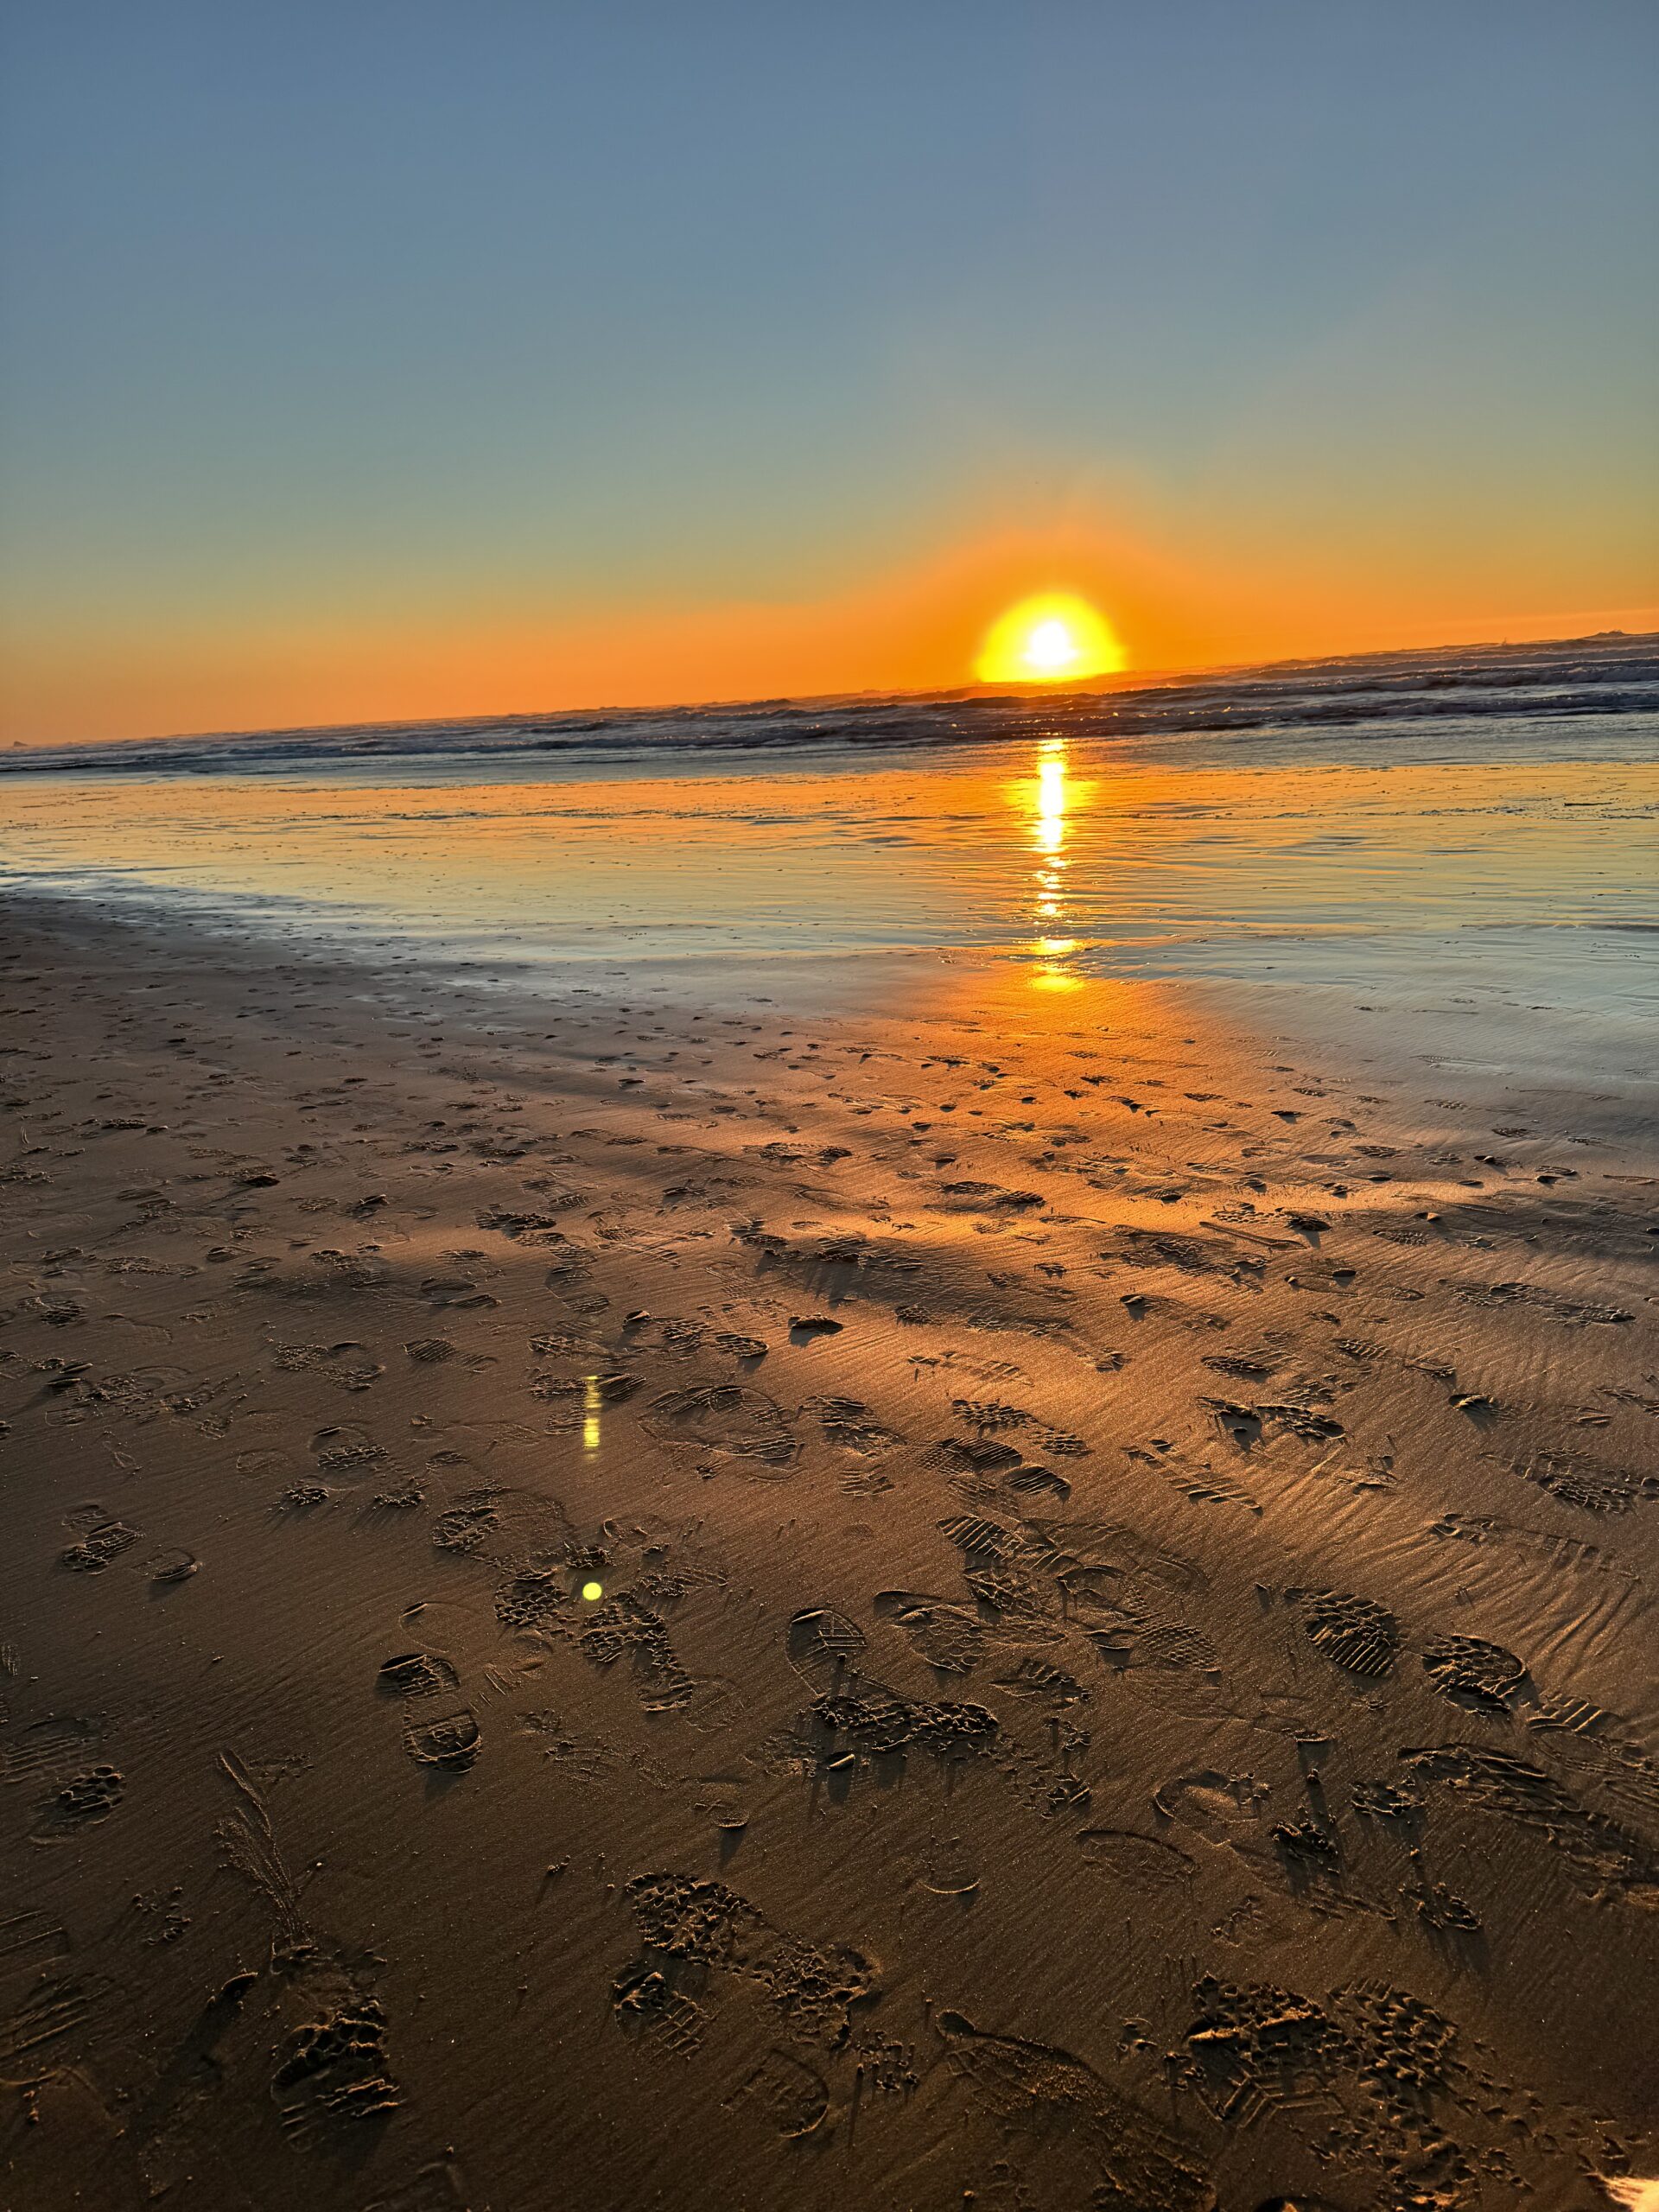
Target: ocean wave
[[1365, 695]]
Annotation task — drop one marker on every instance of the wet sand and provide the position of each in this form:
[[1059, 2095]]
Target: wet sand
[[1043, 1601]]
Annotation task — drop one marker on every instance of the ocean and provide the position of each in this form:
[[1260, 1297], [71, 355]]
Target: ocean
[[1474, 827]]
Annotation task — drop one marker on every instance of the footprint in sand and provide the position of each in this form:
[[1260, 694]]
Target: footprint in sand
[[1484, 1677], [450, 1739], [1044, 2090], [1140, 1862], [1353, 1633], [103, 1540], [346, 1453], [629, 1626], [793, 2096], [852, 1426], [824, 1647], [949, 1637], [949, 1868], [727, 1418], [84, 1799]]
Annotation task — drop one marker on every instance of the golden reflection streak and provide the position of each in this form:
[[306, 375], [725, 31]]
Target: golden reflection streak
[[1048, 833], [1050, 796], [591, 1404]]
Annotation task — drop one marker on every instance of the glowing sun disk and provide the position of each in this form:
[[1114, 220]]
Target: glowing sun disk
[[1052, 638]]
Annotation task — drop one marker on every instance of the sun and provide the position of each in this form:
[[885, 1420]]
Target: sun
[[1052, 638]]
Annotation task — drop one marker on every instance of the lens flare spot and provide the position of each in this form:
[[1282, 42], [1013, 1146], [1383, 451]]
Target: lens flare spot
[[592, 1592], [1053, 639]]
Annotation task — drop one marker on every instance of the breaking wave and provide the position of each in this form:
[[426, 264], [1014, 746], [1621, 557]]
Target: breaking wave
[[1611, 675]]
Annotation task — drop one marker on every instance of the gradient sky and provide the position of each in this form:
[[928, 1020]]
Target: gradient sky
[[385, 358]]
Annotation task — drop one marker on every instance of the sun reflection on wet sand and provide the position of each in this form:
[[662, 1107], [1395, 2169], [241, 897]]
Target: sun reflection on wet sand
[[1051, 795], [1053, 800], [1070, 859]]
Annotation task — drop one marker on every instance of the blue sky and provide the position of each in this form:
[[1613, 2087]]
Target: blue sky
[[358, 313]]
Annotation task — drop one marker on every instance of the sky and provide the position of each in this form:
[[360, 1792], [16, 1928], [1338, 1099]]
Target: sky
[[373, 359]]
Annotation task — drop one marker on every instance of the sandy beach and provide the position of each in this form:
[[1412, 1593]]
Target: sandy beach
[[633, 1604], [828, 1109]]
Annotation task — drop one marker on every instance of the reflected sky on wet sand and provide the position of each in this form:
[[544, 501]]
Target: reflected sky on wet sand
[[1074, 860]]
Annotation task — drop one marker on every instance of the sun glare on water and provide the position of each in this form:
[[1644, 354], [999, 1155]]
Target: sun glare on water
[[1055, 639]]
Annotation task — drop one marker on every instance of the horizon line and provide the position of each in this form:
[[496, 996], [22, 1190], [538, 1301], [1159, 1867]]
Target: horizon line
[[1123, 680]]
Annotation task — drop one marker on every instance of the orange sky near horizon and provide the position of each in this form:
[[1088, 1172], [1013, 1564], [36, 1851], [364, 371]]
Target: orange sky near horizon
[[916, 629]]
